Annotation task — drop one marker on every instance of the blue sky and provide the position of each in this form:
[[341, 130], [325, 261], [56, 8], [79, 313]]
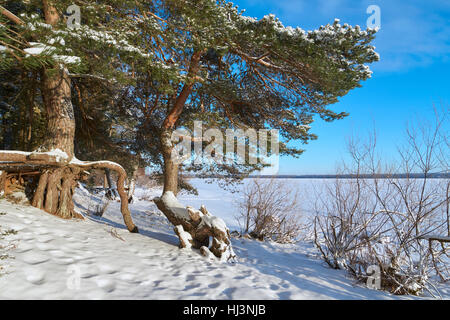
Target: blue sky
[[412, 75]]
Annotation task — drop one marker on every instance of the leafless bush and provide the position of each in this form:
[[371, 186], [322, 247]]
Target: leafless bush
[[269, 210], [344, 221], [384, 220]]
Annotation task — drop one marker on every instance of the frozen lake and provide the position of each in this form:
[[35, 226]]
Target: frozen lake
[[223, 203]]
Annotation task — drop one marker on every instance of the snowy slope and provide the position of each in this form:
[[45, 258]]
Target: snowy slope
[[112, 263]]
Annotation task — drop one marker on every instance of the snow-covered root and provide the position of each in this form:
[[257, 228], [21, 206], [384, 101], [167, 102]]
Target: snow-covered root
[[122, 175], [197, 228], [57, 179]]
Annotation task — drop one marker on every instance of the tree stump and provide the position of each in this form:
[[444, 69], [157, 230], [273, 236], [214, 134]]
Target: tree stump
[[197, 228]]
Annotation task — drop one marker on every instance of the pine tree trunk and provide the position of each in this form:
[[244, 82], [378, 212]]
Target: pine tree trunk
[[56, 93], [111, 192], [170, 166], [61, 122], [132, 184], [56, 186], [109, 184]]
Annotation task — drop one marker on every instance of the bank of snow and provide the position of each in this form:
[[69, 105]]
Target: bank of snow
[[112, 263]]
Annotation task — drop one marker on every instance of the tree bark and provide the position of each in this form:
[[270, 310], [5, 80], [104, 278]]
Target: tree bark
[[56, 89], [109, 184], [170, 166], [132, 184], [61, 122], [50, 13], [38, 198], [56, 186], [177, 109], [53, 187], [111, 192], [69, 182], [10, 16]]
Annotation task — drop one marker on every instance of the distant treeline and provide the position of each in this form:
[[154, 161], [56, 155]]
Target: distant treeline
[[439, 175]]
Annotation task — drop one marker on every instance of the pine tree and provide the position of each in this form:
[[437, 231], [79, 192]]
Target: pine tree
[[214, 64]]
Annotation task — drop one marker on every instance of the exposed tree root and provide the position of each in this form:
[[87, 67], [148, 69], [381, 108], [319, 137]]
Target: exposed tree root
[[56, 181], [122, 175], [195, 228]]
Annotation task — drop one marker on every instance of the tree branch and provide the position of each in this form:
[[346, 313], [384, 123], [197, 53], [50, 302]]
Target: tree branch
[[11, 16], [175, 113]]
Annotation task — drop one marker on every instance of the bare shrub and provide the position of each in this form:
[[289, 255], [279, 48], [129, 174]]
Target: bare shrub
[[269, 209], [344, 219], [385, 220]]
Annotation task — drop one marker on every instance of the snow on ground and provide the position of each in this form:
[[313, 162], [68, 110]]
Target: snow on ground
[[99, 259]]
